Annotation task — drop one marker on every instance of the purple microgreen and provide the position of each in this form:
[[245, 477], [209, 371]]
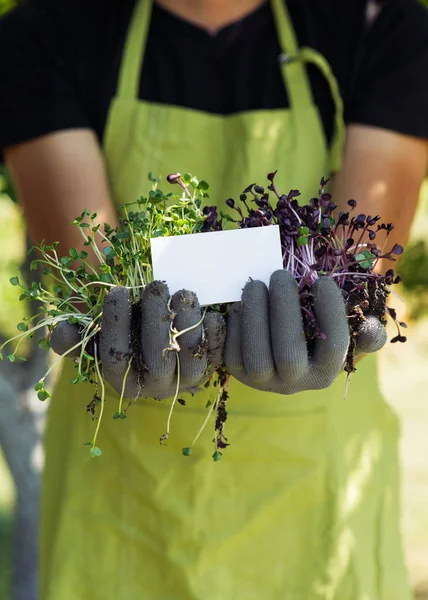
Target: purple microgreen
[[315, 241], [397, 249]]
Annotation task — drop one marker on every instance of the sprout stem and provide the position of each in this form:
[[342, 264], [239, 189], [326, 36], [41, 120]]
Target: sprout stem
[[101, 382], [122, 394], [178, 333], [54, 364], [174, 400], [207, 418]]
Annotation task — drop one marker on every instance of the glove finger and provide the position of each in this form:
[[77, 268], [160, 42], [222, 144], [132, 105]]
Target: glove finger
[[371, 336], [215, 335], [63, 337], [232, 350], [330, 312], [193, 350], [155, 335], [255, 332], [115, 348], [288, 336]]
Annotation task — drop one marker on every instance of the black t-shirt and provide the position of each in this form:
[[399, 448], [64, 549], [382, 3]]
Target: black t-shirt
[[60, 60]]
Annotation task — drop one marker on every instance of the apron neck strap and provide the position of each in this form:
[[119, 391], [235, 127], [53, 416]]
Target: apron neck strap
[[292, 61], [293, 70], [309, 55], [134, 49], [296, 80]]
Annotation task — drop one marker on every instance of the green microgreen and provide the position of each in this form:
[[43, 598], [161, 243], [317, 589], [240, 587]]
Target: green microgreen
[[75, 288]]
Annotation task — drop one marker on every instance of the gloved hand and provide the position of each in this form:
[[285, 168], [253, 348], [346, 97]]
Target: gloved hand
[[266, 347], [153, 373]]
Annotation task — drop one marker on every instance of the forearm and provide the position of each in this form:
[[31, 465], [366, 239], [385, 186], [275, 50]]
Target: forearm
[[56, 178], [383, 172]]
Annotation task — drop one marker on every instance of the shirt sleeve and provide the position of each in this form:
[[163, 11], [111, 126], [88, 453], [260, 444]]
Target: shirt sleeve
[[38, 89], [390, 89]]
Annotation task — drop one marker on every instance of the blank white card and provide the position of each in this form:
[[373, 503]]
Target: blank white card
[[217, 265]]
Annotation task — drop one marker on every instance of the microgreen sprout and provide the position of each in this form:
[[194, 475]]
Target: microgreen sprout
[[212, 405], [94, 450], [315, 241], [75, 288], [120, 414], [175, 347]]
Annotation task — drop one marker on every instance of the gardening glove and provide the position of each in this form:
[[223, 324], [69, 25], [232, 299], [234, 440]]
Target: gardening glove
[[154, 367], [266, 347]]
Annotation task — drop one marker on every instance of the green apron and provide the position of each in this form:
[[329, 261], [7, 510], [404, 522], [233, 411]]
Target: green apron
[[304, 503]]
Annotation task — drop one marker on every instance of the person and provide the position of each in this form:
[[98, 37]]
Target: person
[[94, 95]]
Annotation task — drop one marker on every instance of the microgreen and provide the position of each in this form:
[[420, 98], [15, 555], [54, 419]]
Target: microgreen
[[75, 288], [315, 241]]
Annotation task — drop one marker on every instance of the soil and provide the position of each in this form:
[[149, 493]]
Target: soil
[[137, 352], [358, 307], [200, 351], [156, 288]]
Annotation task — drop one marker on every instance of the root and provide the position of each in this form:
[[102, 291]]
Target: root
[[218, 405], [94, 449], [165, 436], [175, 347], [122, 394]]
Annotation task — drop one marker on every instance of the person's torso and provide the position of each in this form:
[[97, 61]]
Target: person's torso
[[234, 71], [291, 511]]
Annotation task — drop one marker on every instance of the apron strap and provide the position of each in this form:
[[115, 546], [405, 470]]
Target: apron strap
[[133, 54], [294, 74], [338, 141], [292, 60], [296, 80]]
